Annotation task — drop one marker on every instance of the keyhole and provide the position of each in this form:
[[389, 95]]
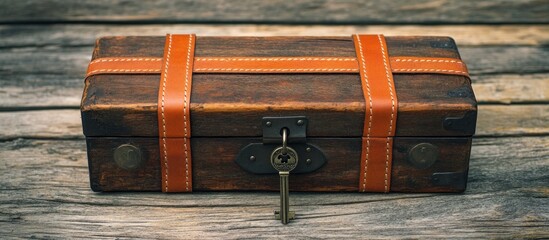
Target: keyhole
[[283, 158]]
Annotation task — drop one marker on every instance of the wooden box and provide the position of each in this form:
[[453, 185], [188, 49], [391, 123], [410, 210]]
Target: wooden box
[[431, 144]]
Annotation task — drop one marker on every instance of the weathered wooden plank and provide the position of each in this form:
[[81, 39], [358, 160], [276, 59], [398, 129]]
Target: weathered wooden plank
[[64, 124], [493, 120], [45, 194], [521, 120], [67, 35], [19, 91], [495, 59], [277, 11], [511, 88]]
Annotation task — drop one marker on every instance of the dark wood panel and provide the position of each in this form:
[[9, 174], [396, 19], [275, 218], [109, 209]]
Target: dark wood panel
[[276, 11], [214, 168], [233, 104]]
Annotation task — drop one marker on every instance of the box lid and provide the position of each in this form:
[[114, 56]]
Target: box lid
[[232, 105]]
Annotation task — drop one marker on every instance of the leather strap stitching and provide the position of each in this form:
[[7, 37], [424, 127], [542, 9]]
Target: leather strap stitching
[[122, 70], [427, 60], [201, 59], [124, 60], [174, 113], [277, 69], [275, 59], [392, 109], [363, 62], [346, 65], [312, 70], [381, 105], [163, 116], [421, 70], [185, 106]]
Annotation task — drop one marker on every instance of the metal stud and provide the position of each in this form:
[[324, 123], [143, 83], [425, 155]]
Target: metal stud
[[128, 157], [423, 155]]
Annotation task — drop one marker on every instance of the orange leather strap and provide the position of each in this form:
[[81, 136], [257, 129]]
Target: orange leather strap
[[124, 65], [276, 64], [174, 127], [403, 64], [380, 113]]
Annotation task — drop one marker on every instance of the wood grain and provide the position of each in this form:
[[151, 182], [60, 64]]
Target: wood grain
[[512, 88], [276, 11], [493, 120], [45, 194], [73, 35]]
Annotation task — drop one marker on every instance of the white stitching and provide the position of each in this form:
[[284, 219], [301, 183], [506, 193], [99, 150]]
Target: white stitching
[[163, 119], [387, 163], [392, 108], [371, 111], [124, 60], [425, 70], [185, 113], [274, 59], [279, 69], [121, 70], [396, 59], [99, 71], [426, 60]]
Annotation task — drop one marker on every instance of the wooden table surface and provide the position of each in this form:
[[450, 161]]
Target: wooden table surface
[[44, 187]]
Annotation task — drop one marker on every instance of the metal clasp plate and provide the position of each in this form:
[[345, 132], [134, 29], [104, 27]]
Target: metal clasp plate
[[254, 158]]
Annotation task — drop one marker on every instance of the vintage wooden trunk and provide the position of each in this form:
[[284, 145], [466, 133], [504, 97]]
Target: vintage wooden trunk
[[364, 113]]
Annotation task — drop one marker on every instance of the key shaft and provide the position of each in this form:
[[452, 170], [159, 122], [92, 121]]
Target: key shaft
[[284, 197]]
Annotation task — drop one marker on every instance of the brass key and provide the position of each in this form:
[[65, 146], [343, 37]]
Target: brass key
[[284, 159]]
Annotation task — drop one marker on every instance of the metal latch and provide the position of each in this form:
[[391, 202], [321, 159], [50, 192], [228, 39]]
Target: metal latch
[[255, 157]]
